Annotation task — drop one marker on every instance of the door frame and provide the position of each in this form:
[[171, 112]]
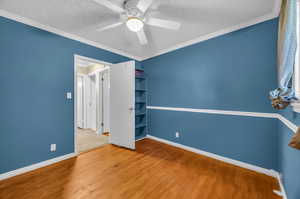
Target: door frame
[[83, 122], [76, 57]]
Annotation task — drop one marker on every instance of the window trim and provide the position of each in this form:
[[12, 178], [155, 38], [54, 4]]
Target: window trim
[[296, 105]]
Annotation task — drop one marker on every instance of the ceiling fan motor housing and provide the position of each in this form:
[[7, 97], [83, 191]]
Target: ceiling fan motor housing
[[132, 10]]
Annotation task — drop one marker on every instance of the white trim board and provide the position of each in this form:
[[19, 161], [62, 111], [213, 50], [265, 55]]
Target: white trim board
[[35, 166], [48, 28], [287, 122], [214, 111], [142, 138], [281, 193], [258, 169], [92, 60]]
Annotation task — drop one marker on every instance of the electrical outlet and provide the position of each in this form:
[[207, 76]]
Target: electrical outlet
[[177, 134], [53, 147]]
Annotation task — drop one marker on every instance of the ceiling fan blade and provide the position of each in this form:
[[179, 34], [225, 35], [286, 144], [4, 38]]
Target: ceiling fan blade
[[110, 5], [173, 25], [142, 37], [143, 5], [109, 26]]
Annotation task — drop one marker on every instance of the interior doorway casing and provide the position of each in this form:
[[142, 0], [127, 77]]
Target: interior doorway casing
[[76, 58], [102, 97], [81, 115]]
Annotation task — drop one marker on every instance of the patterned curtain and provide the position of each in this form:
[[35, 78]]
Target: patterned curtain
[[287, 46]]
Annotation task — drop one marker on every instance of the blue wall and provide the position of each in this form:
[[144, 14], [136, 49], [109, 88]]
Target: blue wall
[[231, 72], [36, 71], [289, 158], [248, 139]]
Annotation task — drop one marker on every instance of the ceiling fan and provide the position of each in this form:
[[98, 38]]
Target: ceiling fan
[[133, 14]]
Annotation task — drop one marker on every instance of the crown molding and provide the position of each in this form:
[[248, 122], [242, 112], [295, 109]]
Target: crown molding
[[275, 12], [276, 8], [35, 24], [272, 15]]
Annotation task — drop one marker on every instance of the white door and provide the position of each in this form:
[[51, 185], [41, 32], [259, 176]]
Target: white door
[[122, 100]]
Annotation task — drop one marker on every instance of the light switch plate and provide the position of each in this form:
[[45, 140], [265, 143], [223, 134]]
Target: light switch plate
[[69, 95], [53, 147]]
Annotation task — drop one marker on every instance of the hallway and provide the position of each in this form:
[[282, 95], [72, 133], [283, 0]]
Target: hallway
[[87, 139]]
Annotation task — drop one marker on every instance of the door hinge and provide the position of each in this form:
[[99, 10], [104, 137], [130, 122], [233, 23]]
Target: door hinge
[[102, 124], [102, 79]]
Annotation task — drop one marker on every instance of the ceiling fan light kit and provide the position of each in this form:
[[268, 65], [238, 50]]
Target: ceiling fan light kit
[[134, 24], [132, 13]]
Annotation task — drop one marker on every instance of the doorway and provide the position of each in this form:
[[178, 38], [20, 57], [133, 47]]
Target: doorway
[[92, 104], [104, 104]]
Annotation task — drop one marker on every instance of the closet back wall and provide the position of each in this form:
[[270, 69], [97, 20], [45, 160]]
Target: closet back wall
[[232, 72]]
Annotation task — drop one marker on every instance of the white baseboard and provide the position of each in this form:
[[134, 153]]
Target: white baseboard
[[35, 166], [258, 169], [141, 138], [218, 157], [282, 191]]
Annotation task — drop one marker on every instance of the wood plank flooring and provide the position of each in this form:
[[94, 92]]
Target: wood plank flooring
[[155, 170]]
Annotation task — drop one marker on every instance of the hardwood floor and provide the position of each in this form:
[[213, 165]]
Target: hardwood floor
[[155, 170]]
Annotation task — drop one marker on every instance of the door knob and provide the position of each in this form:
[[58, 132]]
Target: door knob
[[131, 108]]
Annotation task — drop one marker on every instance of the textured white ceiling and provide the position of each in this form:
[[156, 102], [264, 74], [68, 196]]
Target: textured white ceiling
[[200, 19]]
